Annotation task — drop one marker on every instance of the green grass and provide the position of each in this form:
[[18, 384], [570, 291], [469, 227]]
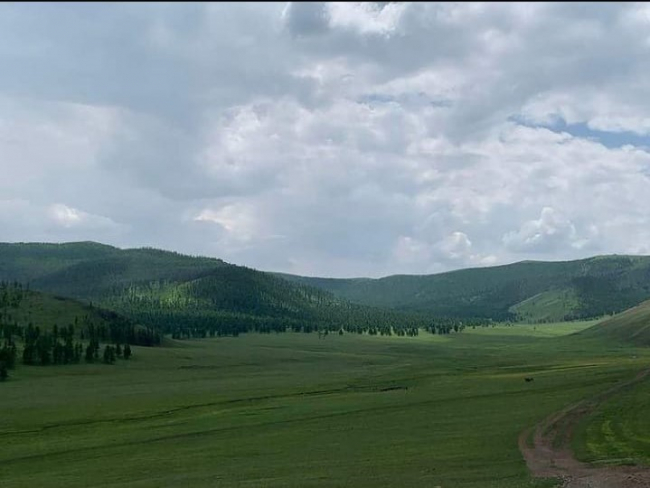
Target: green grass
[[619, 431], [533, 330], [630, 327], [45, 310], [292, 410], [551, 305]]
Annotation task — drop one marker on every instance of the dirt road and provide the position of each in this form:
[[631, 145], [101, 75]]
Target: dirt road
[[550, 455]]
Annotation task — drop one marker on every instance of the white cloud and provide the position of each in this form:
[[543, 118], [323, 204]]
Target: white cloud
[[338, 139], [411, 251], [238, 220], [549, 232], [456, 245], [366, 17], [69, 217], [66, 216]]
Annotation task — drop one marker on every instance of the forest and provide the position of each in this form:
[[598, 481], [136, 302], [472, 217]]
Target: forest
[[32, 332]]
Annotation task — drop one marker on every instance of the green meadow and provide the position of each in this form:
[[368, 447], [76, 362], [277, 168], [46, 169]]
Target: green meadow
[[619, 431], [293, 410]]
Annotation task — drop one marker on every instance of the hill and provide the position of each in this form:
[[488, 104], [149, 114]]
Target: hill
[[88, 270], [164, 288], [186, 295], [630, 327], [21, 308], [529, 290]]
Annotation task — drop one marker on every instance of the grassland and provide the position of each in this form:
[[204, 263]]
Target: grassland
[[619, 432], [293, 410], [630, 327]]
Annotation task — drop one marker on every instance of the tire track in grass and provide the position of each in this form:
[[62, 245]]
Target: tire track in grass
[[546, 447]]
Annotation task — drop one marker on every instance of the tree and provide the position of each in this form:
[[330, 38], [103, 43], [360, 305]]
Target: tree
[[3, 371], [78, 351], [8, 355], [90, 353], [118, 350], [127, 351], [109, 354]]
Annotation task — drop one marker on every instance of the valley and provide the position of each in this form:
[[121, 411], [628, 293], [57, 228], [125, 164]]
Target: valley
[[307, 388]]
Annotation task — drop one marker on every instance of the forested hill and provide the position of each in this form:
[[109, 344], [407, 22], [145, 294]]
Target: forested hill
[[186, 295], [531, 290], [88, 270], [165, 288]]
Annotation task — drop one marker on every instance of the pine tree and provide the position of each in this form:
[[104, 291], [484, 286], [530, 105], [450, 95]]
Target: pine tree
[[127, 351], [90, 353], [109, 354], [78, 351]]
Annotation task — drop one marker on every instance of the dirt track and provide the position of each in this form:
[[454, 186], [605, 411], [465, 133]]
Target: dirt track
[[551, 455]]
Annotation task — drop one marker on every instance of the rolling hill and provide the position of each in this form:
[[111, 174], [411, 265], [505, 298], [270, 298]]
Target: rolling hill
[[182, 294], [528, 290], [21, 308], [630, 327], [165, 288]]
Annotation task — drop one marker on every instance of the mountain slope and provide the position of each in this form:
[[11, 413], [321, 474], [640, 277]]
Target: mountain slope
[[148, 284], [89, 270], [565, 290], [20, 308], [630, 327], [178, 293], [25, 262]]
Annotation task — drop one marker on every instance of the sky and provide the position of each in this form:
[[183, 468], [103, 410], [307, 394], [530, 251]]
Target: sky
[[329, 139]]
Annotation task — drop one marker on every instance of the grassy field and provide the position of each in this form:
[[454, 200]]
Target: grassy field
[[553, 329], [293, 410], [619, 431]]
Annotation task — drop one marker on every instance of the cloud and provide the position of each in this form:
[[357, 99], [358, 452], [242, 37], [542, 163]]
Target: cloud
[[366, 17], [550, 232], [329, 138], [306, 18], [456, 245], [69, 217]]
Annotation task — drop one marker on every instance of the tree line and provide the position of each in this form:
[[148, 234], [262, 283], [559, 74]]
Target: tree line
[[54, 345]]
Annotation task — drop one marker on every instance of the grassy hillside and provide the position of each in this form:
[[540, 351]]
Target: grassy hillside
[[21, 308], [548, 306], [536, 291], [631, 327], [186, 295], [45, 311]]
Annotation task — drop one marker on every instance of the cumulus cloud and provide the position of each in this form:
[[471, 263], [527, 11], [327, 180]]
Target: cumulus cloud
[[550, 232], [366, 17], [339, 139]]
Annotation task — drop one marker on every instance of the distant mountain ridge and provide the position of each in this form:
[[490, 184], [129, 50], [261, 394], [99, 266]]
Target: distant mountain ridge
[[527, 290], [174, 292], [128, 278]]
